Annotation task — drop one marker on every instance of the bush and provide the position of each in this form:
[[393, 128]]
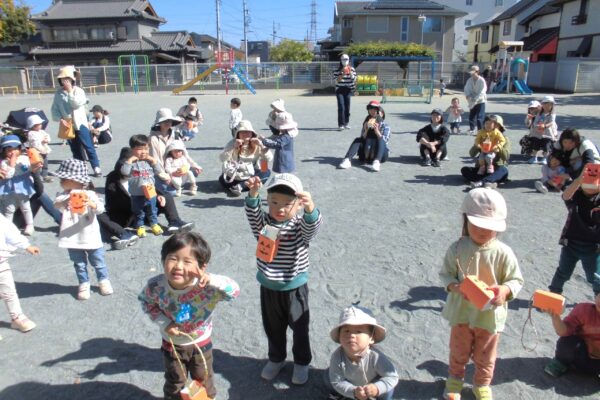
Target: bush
[[389, 49]]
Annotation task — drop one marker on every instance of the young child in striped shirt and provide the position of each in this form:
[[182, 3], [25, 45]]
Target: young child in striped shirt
[[283, 271]]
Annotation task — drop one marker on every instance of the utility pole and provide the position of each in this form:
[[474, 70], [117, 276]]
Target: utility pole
[[218, 6], [246, 24], [313, 22], [274, 33]]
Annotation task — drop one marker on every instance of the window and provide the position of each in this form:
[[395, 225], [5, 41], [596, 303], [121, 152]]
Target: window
[[485, 34], [468, 22], [377, 24], [347, 23], [499, 3], [469, 2], [433, 24], [404, 29], [466, 42], [507, 28]]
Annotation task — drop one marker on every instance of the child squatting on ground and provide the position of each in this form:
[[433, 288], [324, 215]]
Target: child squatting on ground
[[79, 228], [475, 333], [11, 240], [141, 168], [359, 370], [180, 169], [554, 176], [489, 140], [181, 301], [282, 260]]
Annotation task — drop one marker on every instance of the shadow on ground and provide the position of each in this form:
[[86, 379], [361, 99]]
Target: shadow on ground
[[421, 298], [86, 390]]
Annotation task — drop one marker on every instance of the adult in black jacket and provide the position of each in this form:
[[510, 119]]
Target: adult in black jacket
[[432, 139], [119, 216]]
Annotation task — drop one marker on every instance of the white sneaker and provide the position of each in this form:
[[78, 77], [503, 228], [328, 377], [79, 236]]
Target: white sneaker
[[345, 164], [475, 185], [271, 370], [341, 128], [347, 127], [83, 293], [540, 187], [106, 288], [376, 166], [28, 231], [300, 375], [97, 171]]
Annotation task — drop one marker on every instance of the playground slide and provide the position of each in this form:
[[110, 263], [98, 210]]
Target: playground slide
[[522, 87], [196, 79], [243, 79], [500, 86]]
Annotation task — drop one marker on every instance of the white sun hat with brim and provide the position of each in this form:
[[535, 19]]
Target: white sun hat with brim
[[175, 145], [285, 122], [165, 114], [548, 99], [33, 120], [278, 105], [68, 71], [355, 315], [245, 126], [534, 104], [486, 209]]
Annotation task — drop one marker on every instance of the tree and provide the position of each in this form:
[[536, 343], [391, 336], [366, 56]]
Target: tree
[[289, 50], [15, 25]]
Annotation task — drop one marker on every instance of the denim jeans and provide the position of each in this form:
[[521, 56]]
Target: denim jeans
[[575, 251], [454, 126], [476, 116], [138, 207], [95, 257], [82, 145], [343, 96], [499, 175]]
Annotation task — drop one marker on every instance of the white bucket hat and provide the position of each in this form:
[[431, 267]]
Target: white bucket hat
[[68, 71], [285, 122], [485, 208], [473, 69], [355, 315], [548, 99], [33, 120], [245, 125], [278, 105], [289, 180], [175, 145], [534, 104], [165, 114]]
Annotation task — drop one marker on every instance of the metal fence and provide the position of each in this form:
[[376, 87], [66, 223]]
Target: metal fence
[[263, 75]]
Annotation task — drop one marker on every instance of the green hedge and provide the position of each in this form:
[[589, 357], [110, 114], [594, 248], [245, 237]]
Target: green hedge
[[389, 49]]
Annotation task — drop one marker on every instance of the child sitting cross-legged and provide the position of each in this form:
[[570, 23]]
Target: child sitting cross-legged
[[359, 370], [554, 175]]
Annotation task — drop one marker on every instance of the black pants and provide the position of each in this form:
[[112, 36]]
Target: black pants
[[572, 351], [109, 228], [281, 309], [343, 96], [175, 377], [169, 209], [424, 150]]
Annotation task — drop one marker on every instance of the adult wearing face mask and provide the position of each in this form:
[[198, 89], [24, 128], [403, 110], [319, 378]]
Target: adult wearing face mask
[[345, 84]]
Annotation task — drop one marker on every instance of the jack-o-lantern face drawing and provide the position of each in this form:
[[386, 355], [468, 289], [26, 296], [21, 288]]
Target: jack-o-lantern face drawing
[[266, 248], [486, 146], [591, 176], [149, 190], [477, 292], [34, 156], [78, 201]]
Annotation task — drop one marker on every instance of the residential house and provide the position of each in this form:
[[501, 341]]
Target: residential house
[[482, 38], [392, 20], [259, 48], [209, 46], [92, 32], [579, 36], [541, 39]]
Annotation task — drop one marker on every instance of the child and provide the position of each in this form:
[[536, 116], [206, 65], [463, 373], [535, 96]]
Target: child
[[357, 369], [282, 142], [100, 126], [546, 130], [16, 186], [182, 301], [79, 228], [530, 143], [140, 168], [10, 240], [455, 115], [442, 87], [188, 129], [277, 107], [235, 117], [38, 139], [432, 139], [474, 334], [180, 169], [554, 175], [283, 275], [191, 109], [580, 237], [489, 140]]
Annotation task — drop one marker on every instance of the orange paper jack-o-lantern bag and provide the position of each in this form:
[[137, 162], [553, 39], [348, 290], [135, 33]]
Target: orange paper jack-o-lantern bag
[[486, 146], [264, 165], [149, 190], [268, 244], [77, 201], [194, 390], [34, 156], [189, 124], [477, 292], [591, 176], [548, 301]]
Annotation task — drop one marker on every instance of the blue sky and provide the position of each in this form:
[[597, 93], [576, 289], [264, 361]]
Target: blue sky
[[292, 18]]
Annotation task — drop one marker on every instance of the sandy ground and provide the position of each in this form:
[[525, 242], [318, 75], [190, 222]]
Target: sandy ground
[[382, 241]]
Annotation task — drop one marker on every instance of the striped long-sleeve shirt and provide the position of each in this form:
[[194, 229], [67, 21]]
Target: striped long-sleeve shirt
[[347, 80], [289, 268]]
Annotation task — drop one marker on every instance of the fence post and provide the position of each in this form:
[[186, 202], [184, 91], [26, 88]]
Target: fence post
[[156, 74], [52, 78], [104, 72]]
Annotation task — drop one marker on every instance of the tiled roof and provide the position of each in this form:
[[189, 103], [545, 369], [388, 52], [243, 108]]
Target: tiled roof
[[345, 7], [416, 6], [405, 5], [95, 9], [539, 38], [515, 9], [199, 38], [158, 41], [545, 10]]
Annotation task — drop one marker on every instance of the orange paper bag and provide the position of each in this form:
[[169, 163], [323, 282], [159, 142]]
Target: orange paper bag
[[264, 165], [268, 244], [77, 201], [591, 176], [548, 301], [149, 190], [194, 390], [477, 292], [486, 146], [34, 156]]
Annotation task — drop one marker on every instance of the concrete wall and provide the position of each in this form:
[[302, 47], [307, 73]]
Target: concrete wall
[[570, 10]]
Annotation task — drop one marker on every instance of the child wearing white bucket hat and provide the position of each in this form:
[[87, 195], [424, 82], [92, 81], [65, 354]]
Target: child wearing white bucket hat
[[357, 369], [180, 169], [544, 130], [474, 332], [284, 129], [39, 139]]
